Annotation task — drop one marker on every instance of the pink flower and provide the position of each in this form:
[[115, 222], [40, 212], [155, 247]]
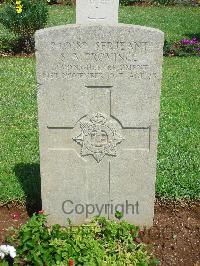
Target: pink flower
[[41, 212], [71, 262], [141, 232], [16, 216], [138, 240]]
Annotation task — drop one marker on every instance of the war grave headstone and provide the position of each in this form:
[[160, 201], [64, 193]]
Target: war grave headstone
[[98, 103]]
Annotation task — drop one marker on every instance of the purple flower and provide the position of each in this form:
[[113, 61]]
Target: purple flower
[[188, 42], [185, 41], [193, 42]]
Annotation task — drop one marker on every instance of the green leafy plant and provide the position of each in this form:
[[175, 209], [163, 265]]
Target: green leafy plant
[[101, 242], [23, 18], [118, 214], [4, 263]]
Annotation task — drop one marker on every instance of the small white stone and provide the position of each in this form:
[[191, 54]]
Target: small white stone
[[102, 12]]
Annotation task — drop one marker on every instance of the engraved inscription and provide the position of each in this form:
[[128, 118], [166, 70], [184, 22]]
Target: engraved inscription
[[100, 60], [134, 46], [137, 75], [97, 13], [98, 137], [97, 2]]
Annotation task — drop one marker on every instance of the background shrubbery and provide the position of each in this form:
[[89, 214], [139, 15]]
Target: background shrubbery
[[160, 2], [64, 2], [23, 18]]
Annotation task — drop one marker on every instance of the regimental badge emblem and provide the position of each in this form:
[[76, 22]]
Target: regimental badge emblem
[[99, 137]]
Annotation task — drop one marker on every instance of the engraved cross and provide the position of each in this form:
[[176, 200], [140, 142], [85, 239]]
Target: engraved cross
[[98, 133]]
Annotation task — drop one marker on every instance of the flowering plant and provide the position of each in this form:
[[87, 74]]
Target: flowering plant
[[194, 41], [7, 250], [23, 18], [184, 47], [101, 242], [19, 7], [189, 47]]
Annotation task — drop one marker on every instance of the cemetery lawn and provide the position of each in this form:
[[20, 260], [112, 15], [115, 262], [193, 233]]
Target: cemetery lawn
[[176, 22], [178, 153]]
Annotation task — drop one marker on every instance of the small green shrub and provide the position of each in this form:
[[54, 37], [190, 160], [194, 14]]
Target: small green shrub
[[164, 2], [124, 2], [69, 2], [63, 2], [16, 45], [102, 242], [167, 48], [51, 2], [23, 18], [130, 2], [6, 44]]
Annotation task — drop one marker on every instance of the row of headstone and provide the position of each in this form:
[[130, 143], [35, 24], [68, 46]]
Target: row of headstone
[[98, 102]]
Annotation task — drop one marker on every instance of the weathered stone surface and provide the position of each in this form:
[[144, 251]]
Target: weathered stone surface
[[97, 11], [98, 98]]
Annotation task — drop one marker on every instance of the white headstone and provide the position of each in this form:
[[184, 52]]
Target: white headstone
[[98, 102], [97, 11]]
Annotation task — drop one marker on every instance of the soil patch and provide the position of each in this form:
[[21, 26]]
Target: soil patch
[[174, 238]]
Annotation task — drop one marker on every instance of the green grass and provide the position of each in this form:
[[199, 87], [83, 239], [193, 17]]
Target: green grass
[[18, 127], [176, 22], [178, 172], [178, 153]]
